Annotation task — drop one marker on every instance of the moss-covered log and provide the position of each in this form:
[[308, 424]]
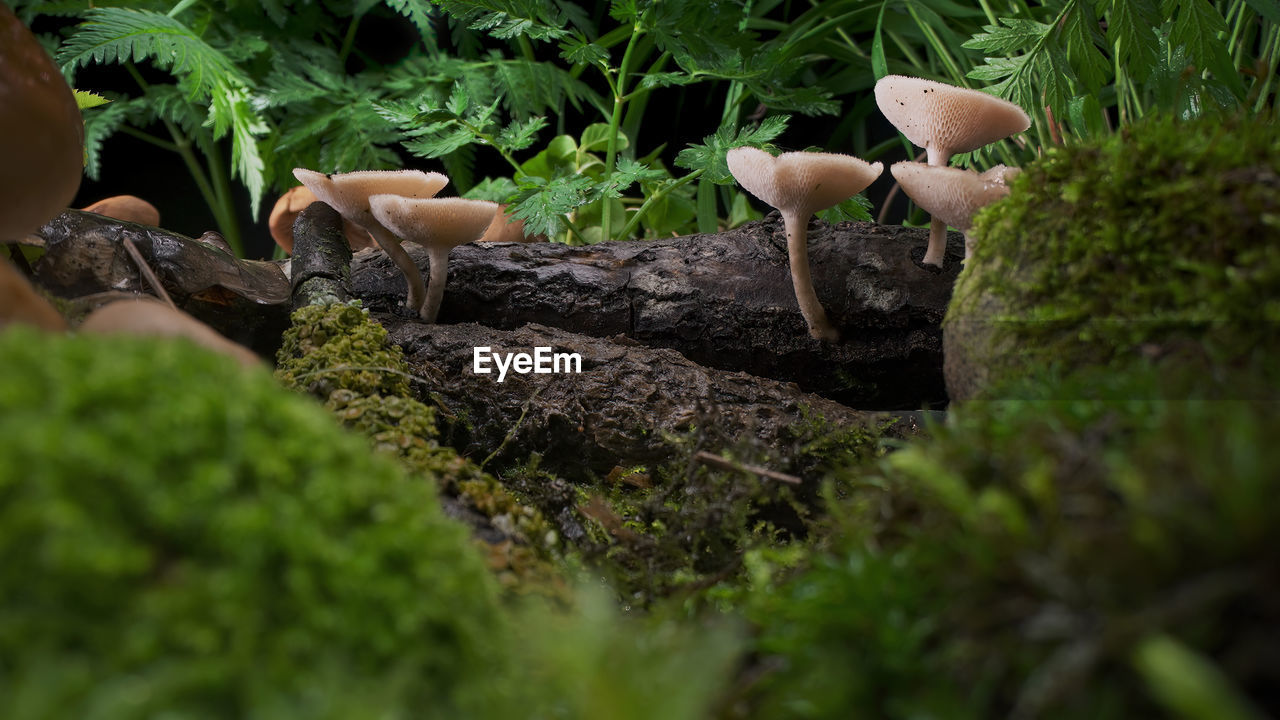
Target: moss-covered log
[[722, 300], [616, 411]]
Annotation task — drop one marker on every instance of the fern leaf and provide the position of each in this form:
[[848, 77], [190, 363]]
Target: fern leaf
[[98, 126], [419, 12], [1197, 25], [1131, 31], [542, 204], [1016, 35], [710, 156]]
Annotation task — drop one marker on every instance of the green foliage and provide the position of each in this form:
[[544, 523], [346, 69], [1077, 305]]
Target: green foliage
[[181, 536], [1100, 547], [1155, 241]]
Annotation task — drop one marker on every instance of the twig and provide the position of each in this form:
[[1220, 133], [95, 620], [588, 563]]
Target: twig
[[716, 461], [145, 269], [511, 434]]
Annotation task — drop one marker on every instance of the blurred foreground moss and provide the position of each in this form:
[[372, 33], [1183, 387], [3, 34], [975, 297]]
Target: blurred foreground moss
[[1049, 556], [179, 536]]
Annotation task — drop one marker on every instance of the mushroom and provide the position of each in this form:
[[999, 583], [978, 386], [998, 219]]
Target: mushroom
[[952, 195], [294, 201], [129, 208], [945, 120], [20, 303], [41, 133], [798, 184], [348, 193], [505, 229], [148, 317], [439, 224]]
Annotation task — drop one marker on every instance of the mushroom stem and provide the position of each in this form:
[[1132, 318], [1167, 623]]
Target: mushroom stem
[[412, 274], [937, 250], [798, 255], [435, 287]]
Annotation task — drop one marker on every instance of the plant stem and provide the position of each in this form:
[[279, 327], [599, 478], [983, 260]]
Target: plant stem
[[615, 120], [663, 192]]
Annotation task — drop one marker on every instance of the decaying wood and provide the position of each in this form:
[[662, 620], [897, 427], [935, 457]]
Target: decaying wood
[[615, 412], [321, 265], [722, 300], [244, 300]]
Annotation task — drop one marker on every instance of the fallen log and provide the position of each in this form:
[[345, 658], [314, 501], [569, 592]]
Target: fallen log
[[245, 300], [616, 411], [723, 300]]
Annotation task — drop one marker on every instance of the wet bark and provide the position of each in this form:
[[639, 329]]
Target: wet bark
[[321, 265], [245, 300], [617, 411], [722, 300]]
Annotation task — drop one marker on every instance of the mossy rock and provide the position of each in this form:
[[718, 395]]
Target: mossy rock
[[181, 536], [1107, 556], [1158, 241]]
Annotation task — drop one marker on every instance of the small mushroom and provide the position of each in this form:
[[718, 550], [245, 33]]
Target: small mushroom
[[21, 304], [798, 184], [946, 120], [41, 133], [506, 229], [129, 208], [294, 201], [148, 317], [348, 193], [439, 224], [952, 195]]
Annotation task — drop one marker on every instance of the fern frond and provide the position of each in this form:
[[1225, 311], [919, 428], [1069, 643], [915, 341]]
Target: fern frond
[[509, 19], [100, 125], [420, 13]]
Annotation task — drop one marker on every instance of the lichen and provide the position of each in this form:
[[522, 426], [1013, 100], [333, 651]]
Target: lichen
[[1159, 241]]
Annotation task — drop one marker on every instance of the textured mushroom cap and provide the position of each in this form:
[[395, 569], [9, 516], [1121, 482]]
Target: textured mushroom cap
[[1002, 174], [801, 182], [440, 222], [294, 201], [349, 193], [41, 133], [146, 316], [949, 194], [129, 208], [947, 118]]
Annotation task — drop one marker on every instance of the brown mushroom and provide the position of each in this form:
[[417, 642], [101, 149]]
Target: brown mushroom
[[951, 195], [798, 184], [41, 133], [129, 208], [507, 229], [294, 201], [348, 193], [946, 120], [147, 316], [20, 303], [439, 224]]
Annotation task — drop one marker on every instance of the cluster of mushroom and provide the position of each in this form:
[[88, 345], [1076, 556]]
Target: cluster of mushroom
[[943, 119]]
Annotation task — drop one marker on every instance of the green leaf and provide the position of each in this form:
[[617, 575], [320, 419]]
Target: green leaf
[[419, 13], [1188, 684], [857, 208], [628, 173], [596, 138], [1131, 32], [499, 190], [543, 204], [580, 52], [86, 99], [879, 66], [1197, 26], [100, 125], [666, 79], [1018, 34], [710, 156], [518, 136], [1269, 9], [1079, 28]]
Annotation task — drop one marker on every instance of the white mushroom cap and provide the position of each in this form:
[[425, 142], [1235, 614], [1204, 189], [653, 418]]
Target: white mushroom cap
[[441, 222], [1002, 174], [945, 119], [801, 182], [348, 193], [949, 194]]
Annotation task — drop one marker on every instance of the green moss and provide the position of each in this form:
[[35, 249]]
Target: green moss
[[181, 536], [1031, 557], [340, 355], [1159, 240]]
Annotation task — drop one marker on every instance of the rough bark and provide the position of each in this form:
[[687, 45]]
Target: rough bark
[[722, 300], [615, 412], [245, 300], [321, 265]]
